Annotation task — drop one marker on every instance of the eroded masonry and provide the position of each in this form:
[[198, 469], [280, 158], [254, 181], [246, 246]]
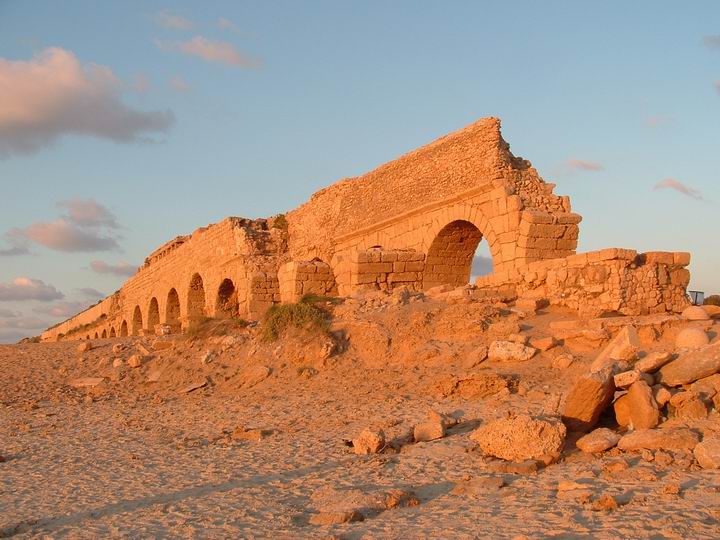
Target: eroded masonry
[[415, 222]]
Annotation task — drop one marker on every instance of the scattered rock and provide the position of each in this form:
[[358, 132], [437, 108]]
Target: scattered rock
[[518, 338], [530, 305], [605, 503], [428, 431], [84, 347], [520, 437], [644, 412], [336, 518], [690, 367], [707, 453], [253, 434], [86, 382], [136, 360], [509, 351], [254, 375], [369, 442], [692, 407], [652, 362], [691, 338], [475, 487], [192, 387], [207, 357], [587, 399], [563, 361], [475, 357], [477, 386], [118, 348], [399, 498], [626, 378], [143, 349], [661, 394], [659, 439], [695, 313], [162, 345], [598, 440], [118, 362], [623, 347], [622, 410], [543, 343], [154, 376]]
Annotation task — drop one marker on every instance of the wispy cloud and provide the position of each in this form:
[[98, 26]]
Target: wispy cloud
[[712, 42], [53, 95], [14, 251], [179, 85], [171, 20], [119, 269], [89, 292], [211, 51], [63, 309], [63, 235], [574, 165], [671, 183], [9, 313], [88, 213], [227, 24], [23, 288]]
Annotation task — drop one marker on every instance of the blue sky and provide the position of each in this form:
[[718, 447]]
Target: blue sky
[[196, 111]]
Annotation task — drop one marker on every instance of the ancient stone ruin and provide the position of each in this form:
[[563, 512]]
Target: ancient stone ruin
[[415, 222]]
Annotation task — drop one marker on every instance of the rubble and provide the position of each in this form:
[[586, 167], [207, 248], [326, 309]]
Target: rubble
[[520, 437], [659, 439], [691, 366], [369, 442], [587, 399], [598, 440], [510, 351]]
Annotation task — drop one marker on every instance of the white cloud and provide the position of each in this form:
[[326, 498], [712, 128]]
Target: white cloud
[[28, 289], [227, 24], [53, 95], [171, 20], [119, 269], [671, 183], [211, 51]]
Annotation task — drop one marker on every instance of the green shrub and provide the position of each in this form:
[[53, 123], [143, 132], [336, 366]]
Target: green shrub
[[280, 222], [712, 300], [304, 315]]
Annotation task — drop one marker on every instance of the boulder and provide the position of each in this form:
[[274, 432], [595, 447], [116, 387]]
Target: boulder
[[707, 453], [695, 313], [622, 410], [136, 360], [521, 437], [562, 361], [543, 343], [644, 413], [652, 362], [369, 442], [118, 362], [428, 431], [254, 375], [624, 347], [659, 439], [587, 399], [691, 366], [84, 347], [626, 378], [509, 351], [691, 338], [690, 407], [598, 440], [661, 394]]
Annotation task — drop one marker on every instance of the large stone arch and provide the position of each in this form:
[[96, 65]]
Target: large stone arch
[[153, 317], [195, 301], [450, 254], [137, 321]]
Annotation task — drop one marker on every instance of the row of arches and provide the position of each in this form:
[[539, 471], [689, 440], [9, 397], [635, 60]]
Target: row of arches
[[226, 306]]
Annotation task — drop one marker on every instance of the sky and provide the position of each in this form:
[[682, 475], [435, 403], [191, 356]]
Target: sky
[[125, 124]]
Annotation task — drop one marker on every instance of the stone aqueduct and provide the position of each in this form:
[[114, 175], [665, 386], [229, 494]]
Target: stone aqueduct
[[415, 222]]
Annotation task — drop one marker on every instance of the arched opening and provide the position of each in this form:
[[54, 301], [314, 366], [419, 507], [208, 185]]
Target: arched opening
[[104, 334], [123, 329], [136, 321], [153, 314], [196, 298], [87, 337], [172, 310], [112, 332], [450, 256], [226, 304], [96, 336]]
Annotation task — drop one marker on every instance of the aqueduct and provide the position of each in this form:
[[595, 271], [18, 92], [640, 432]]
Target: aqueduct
[[414, 222]]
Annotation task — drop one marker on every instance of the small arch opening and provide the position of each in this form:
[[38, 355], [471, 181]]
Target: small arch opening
[[124, 329], [104, 334], [226, 302], [196, 298], [153, 314], [112, 332], [172, 310], [137, 321]]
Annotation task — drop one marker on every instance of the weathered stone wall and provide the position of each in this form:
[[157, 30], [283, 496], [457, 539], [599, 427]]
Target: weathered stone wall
[[379, 269], [298, 278], [606, 281]]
